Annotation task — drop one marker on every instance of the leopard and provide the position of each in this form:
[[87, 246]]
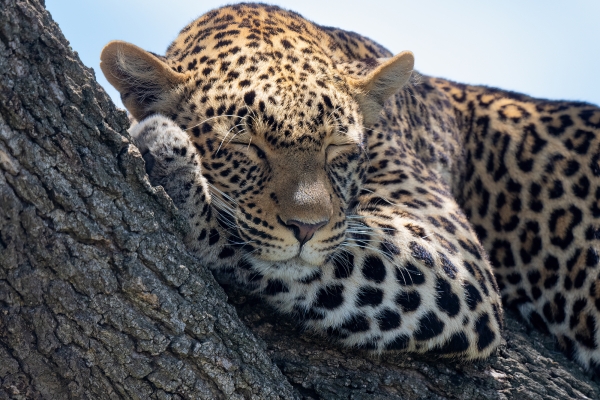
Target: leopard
[[386, 210]]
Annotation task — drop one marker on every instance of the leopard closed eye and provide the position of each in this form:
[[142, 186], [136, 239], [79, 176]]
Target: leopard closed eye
[[389, 214]]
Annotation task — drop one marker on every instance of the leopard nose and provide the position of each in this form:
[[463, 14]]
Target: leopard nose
[[303, 231]]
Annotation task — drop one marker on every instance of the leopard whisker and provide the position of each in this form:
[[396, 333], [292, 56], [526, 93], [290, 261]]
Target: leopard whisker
[[402, 270], [362, 225], [221, 204], [359, 226], [225, 137], [221, 193], [360, 230], [365, 217], [367, 230], [371, 234], [243, 243], [373, 249], [368, 240], [379, 196], [344, 262], [211, 118]]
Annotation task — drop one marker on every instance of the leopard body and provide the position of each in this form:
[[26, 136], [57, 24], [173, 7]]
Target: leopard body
[[375, 209]]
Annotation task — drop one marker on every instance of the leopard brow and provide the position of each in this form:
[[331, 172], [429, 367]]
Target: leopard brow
[[334, 120]]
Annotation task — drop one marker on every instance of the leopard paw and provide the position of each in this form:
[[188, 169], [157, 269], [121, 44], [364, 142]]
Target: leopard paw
[[163, 145]]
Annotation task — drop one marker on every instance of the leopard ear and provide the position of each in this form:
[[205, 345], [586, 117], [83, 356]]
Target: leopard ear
[[140, 76], [385, 77]]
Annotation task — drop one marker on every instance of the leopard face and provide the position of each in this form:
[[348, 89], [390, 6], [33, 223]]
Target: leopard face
[[285, 162]]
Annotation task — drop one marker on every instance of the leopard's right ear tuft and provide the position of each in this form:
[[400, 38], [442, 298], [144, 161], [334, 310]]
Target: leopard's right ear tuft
[[140, 76]]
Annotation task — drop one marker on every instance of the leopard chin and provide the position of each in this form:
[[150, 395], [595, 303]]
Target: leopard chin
[[291, 269], [306, 254]]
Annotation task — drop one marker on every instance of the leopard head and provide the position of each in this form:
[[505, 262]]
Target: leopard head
[[278, 123]]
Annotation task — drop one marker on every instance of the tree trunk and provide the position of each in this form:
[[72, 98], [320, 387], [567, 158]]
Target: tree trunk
[[100, 299]]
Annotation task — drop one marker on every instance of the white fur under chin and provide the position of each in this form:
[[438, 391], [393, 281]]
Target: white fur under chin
[[293, 269]]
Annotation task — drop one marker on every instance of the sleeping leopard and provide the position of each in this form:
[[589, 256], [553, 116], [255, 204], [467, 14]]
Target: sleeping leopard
[[387, 212]]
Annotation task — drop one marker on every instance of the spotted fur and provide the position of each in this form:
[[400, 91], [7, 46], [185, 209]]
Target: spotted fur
[[368, 226]]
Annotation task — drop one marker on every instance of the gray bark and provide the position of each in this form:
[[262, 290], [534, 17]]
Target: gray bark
[[100, 299]]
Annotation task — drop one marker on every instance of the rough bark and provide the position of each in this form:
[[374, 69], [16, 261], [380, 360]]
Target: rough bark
[[100, 299]]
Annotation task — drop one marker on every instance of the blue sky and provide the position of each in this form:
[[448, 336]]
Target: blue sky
[[544, 48]]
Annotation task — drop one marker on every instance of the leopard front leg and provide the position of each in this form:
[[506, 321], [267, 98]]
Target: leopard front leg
[[173, 163], [411, 275]]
